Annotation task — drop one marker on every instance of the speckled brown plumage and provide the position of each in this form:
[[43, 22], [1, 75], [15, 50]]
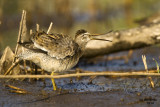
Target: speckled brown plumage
[[56, 45], [55, 52]]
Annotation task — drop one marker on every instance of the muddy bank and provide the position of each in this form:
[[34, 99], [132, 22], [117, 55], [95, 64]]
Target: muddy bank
[[100, 91], [122, 92]]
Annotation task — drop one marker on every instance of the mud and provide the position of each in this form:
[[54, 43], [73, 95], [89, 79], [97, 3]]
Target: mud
[[101, 91]]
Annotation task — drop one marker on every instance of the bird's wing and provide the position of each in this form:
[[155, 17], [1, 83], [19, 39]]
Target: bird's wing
[[56, 45], [30, 46]]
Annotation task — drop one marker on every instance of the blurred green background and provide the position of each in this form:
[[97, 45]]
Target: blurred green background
[[96, 16]]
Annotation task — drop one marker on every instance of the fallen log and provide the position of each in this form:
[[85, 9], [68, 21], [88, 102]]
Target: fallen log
[[138, 37]]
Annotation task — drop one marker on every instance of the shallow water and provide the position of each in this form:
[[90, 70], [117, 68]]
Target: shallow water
[[134, 63]]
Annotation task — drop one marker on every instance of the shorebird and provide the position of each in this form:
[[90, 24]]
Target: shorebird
[[56, 52]]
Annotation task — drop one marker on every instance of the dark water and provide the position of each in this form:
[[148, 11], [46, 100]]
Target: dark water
[[101, 91], [103, 83], [134, 63]]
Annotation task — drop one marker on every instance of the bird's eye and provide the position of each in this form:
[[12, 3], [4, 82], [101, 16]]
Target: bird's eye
[[84, 37]]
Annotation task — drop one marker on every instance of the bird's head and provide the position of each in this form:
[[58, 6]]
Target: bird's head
[[82, 37]]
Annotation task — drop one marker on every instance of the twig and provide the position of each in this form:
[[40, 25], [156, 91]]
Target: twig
[[12, 66], [81, 74], [49, 27]]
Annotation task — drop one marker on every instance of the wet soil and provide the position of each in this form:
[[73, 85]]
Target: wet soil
[[39, 96], [101, 91]]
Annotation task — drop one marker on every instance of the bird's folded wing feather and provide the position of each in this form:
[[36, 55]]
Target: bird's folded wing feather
[[56, 45], [30, 46]]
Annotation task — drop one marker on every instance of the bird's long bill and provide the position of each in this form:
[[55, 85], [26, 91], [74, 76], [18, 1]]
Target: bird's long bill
[[100, 39], [93, 37]]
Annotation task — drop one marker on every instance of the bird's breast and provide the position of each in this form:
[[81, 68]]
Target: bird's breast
[[51, 64]]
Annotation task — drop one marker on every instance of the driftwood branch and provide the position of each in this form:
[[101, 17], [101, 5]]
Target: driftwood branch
[[81, 74], [138, 37], [20, 32]]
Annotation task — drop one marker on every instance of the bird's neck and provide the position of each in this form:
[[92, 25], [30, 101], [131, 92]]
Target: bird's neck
[[81, 45]]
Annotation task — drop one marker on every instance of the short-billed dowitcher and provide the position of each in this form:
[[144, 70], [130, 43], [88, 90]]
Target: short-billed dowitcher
[[56, 52]]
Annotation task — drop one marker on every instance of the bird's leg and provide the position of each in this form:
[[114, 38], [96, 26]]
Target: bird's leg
[[53, 82]]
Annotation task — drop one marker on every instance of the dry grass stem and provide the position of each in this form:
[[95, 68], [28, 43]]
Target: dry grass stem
[[151, 82], [37, 27], [30, 32], [144, 62], [49, 27], [82, 74], [146, 68], [12, 66], [157, 65], [16, 89]]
